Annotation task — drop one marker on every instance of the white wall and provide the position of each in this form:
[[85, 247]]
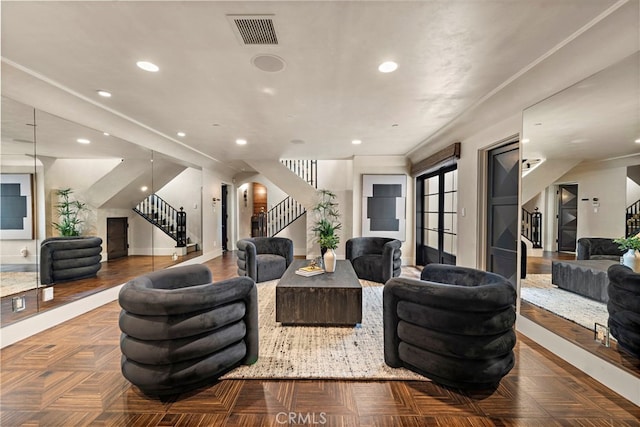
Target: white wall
[[185, 190], [608, 186]]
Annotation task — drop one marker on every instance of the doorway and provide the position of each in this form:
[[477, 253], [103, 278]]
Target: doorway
[[117, 237], [436, 216], [567, 217], [225, 217], [502, 210]]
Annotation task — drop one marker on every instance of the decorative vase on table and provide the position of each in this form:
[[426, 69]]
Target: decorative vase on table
[[631, 259], [329, 259]]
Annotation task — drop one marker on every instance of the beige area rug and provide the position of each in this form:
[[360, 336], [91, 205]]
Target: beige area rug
[[13, 282], [354, 353], [538, 290]]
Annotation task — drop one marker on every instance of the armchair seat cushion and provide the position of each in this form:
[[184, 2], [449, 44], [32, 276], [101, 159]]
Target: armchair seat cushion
[[270, 266]]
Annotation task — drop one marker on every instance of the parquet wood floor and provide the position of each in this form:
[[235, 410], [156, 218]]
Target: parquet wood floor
[[70, 376]]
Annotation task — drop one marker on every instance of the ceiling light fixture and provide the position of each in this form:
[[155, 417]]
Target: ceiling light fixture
[[241, 141], [105, 133], [525, 140], [104, 93], [83, 141], [144, 188], [181, 134], [637, 141], [148, 66], [387, 67], [356, 142]]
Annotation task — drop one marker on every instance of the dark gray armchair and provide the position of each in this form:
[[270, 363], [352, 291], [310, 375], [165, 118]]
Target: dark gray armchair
[[375, 258], [624, 307], [264, 258], [455, 325], [69, 258], [181, 331], [598, 248]]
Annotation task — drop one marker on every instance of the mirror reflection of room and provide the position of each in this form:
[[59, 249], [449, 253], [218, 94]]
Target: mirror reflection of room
[[126, 208], [580, 193]]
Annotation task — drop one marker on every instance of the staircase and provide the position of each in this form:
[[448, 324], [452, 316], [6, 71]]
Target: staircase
[[633, 219], [164, 216], [532, 232], [288, 210]]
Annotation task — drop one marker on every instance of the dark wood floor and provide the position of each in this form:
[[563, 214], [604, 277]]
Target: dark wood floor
[[573, 332], [70, 376], [112, 273]]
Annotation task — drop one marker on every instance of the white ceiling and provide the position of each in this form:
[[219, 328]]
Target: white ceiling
[[450, 55]]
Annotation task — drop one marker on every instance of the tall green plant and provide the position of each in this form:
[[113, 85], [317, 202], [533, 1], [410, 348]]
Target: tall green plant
[[68, 211], [327, 223]]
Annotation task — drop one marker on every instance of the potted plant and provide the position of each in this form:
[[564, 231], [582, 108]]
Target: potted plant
[[325, 227], [68, 211], [632, 257]]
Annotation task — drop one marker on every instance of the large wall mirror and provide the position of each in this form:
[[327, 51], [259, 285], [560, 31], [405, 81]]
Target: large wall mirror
[[581, 156], [145, 207]]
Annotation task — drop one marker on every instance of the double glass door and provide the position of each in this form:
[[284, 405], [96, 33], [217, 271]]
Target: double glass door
[[436, 217]]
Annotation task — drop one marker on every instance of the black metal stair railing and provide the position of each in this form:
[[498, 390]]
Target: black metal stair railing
[[288, 210], [633, 219], [532, 227], [164, 216]]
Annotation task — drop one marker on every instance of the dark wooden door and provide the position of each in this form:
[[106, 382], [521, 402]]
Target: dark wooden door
[[225, 217], [117, 237], [567, 217], [502, 211]]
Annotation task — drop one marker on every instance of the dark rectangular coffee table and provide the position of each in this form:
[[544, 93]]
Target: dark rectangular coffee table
[[584, 277], [325, 299]]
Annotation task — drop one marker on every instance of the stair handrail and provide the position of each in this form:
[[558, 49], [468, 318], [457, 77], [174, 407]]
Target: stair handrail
[[532, 227], [158, 212], [632, 223], [283, 214], [305, 169]]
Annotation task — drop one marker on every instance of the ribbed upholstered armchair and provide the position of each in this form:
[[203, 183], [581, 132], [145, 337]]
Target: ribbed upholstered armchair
[[374, 258], [624, 307], [598, 248], [455, 325], [69, 258], [264, 258], [181, 331]]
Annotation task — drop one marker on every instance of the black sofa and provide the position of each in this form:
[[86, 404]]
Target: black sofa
[[181, 331], [264, 258], [455, 326], [69, 258], [624, 307], [377, 259], [598, 248]]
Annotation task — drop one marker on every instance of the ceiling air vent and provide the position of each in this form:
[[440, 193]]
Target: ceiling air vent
[[254, 29]]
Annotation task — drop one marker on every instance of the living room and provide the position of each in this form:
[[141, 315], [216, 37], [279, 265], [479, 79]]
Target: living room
[[484, 120]]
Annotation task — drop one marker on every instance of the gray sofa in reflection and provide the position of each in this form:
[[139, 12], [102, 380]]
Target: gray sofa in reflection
[[455, 325], [264, 258], [181, 331], [377, 259], [624, 307], [598, 248], [69, 258]]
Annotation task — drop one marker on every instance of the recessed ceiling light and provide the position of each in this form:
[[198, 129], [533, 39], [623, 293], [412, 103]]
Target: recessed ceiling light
[[637, 141], [387, 67], [356, 142], [241, 141], [181, 134], [148, 66], [104, 93], [83, 141], [105, 133], [144, 188], [525, 140]]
